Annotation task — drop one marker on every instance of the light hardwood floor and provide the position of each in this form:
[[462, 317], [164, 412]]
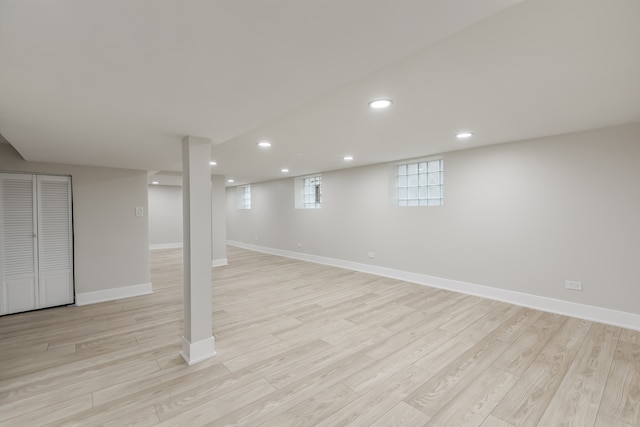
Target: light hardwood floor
[[302, 344]]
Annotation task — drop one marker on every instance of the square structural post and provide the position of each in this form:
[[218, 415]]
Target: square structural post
[[198, 343]]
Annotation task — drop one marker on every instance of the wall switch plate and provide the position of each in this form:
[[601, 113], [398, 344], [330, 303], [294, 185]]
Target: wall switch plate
[[139, 211], [299, 244], [573, 285], [371, 254]]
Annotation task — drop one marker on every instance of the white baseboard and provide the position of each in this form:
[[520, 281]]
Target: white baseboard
[[166, 246], [220, 262], [86, 298], [567, 308], [195, 352]]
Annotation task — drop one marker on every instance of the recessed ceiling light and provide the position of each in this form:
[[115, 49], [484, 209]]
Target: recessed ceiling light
[[230, 180], [155, 183], [213, 163], [348, 158], [264, 144], [380, 103], [463, 135], [284, 170]]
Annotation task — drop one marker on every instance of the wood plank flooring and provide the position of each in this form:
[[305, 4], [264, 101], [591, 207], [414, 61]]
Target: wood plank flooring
[[302, 344]]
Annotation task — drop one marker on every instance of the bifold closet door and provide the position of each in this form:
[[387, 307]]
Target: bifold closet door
[[55, 245], [36, 248], [19, 251]]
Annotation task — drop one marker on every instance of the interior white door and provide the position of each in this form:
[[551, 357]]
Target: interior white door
[[36, 242], [55, 245], [18, 248]]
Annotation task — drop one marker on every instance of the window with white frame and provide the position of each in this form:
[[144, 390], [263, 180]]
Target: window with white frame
[[308, 192], [312, 190], [244, 197], [420, 183]]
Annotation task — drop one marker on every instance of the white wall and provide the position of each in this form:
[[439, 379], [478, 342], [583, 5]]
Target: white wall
[[165, 216], [523, 216], [111, 248], [219, 222]]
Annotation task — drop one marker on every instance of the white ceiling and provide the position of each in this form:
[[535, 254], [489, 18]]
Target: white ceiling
[[119, 83]]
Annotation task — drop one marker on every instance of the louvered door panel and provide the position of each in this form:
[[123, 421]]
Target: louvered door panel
[[54, 240], [18, 250]]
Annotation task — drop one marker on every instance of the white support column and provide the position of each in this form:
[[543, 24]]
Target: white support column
[[197, 343]]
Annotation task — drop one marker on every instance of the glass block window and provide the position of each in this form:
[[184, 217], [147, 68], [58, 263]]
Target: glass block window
[[421, 183], [312, 192], [244, 197]]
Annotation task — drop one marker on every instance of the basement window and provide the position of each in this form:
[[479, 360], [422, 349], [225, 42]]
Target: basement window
[[244, 197], [309, 192], [420, 183]]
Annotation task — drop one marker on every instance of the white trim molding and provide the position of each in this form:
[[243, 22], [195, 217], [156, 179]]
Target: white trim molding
[[567, 308], [193, 353], [166, 246], [220, 262], [86, 298]]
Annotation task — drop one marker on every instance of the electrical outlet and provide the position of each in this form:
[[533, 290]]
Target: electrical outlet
[[371, 254], [139, 211], [299, 245], [255, 237], [573, 285]]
